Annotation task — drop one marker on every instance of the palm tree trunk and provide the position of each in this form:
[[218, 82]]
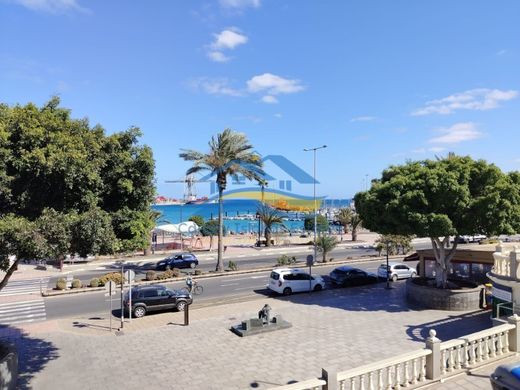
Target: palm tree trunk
[[220, 260], [324, 256], [267, 234], [354, 234]]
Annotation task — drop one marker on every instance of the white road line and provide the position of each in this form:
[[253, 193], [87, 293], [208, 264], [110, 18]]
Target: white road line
[[241, 255], [14, 318], [229, 284], [248, 288], [19, 302], [24, 307], [257, 277]]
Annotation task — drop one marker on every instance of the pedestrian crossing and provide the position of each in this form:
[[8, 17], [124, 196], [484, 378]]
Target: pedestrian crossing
[[22, 312], [24, 287]]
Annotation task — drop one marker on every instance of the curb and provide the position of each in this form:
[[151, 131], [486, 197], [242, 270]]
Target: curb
[[52, 293]]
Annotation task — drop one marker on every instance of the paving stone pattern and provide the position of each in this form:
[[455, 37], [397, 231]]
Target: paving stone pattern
[[341, 328]]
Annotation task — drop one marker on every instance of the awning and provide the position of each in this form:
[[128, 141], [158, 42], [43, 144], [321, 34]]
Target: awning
[[187, 227]]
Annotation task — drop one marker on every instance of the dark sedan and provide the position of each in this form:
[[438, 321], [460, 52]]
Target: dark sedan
[[349, 276], [183, 260]]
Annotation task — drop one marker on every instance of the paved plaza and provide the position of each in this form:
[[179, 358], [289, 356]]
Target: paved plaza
[[341, 328]]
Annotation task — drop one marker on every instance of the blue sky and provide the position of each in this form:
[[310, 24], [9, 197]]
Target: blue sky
[[379, 82]]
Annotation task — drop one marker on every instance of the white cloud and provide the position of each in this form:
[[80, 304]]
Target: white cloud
[[273, 84], [501, 52], [215, 87], [218, 56], [437, 149], [459, 132], [363, 119], [475, 99], [52, 6], [278, 115], [240, 4], [229, 39], [269, 99]]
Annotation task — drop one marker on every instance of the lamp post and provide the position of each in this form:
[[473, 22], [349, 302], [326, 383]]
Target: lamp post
[[315, 211], [258, 242], [387, 267]]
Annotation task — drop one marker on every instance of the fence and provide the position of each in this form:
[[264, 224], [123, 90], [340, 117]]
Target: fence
[[436, 361]]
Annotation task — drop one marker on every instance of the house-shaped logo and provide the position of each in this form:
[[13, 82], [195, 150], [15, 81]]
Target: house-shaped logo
[[286, 185]]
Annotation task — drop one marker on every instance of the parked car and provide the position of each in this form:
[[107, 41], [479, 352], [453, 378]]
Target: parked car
[[506, 377], [396, 271], [153, 298], [349, 276], [183, 260], [467, 239], [288, 280]]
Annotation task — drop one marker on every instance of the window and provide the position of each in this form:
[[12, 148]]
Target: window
[[460, 270], [275, 275], [290, 277], [479, 271], [282, 184], [150, 293], [303, 277], [288, 185]]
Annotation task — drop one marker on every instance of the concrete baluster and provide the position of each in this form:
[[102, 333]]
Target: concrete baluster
[[500, 344], [397, 376], [457, 357], [505, 347], [514, 334], [352, 383], [422, 368], [389, 378], [433, 361], [371, 381], [485, 347], [380, 379], [414, 371], [362, 382], [444, 362], [406, 369], [493, 346], [513, 260]]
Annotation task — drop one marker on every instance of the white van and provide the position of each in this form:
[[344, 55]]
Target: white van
[[288, 280]]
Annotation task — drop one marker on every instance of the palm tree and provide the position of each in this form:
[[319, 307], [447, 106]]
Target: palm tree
[[269, 216], [230, 154], [326, 244], [355, 223], [344, 216]]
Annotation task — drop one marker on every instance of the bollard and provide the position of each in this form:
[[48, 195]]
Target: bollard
[[186, 314]]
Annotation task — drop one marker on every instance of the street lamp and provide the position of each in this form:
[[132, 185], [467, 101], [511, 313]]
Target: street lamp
[[258, 216], [315, 211], [387, 268]]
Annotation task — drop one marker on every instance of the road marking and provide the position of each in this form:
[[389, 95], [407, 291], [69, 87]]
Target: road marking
[[241, 255], [25, 311], [24, 286], [257, 277], [248, 288], [230, 284]]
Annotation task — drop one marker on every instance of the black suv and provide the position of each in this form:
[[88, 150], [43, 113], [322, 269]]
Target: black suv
[[151, 298]]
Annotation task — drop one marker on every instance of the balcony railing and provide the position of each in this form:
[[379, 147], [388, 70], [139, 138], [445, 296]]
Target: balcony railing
[[507, 263]]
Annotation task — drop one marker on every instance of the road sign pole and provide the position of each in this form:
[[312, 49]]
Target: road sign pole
[[130, 300], [122, 283], [110, 297]]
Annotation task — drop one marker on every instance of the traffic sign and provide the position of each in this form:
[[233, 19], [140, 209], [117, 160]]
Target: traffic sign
[[310, 260], [130, 275], [110, 288]]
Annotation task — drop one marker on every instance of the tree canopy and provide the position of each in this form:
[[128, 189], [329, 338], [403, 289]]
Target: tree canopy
[[435, 198], [70, 184], [322, 223]]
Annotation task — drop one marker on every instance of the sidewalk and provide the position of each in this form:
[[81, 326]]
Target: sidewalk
[[157, 352]]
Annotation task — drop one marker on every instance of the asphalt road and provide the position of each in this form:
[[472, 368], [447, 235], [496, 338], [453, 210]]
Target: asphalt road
[[223, 289], [207, 263]]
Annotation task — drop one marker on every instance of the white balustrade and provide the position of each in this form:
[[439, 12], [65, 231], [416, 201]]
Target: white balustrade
[[393, 373]]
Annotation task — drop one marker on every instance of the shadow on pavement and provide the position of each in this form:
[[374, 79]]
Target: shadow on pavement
[[371, 298], [452, 327], [33, 353]]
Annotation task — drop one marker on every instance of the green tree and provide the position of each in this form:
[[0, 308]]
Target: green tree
[[230, 154], [198, 219], [92, 233], [54, 169], [322, 223], [210, 229], [326, 244], [396, 243], [270, 217], [452, 196]]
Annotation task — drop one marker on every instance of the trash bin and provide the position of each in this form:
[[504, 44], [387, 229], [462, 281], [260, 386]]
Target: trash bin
[[506, 376]]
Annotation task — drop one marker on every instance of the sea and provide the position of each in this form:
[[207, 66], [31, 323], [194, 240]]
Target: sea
[[239, 214]]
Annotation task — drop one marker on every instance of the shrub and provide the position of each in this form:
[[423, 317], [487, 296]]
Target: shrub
[[113, 276], [151, 275], [61, 284], [198, 272], [94, 282], [76, 283], [286, 260], [173, 273], [232, 265]]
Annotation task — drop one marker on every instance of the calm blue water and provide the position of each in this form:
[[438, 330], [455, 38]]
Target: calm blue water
[[234, 208]]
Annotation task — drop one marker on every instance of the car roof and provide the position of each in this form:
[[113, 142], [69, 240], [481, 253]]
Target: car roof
[[391, 263], [287, 270], [346, 268], [152, 287]]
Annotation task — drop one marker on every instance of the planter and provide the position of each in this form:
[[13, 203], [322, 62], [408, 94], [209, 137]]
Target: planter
[[8, 367], [458, 299]]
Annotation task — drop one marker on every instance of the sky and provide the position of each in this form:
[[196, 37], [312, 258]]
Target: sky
[[378, 82]]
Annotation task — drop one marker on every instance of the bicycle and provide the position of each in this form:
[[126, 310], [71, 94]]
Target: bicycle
[[196, 289]]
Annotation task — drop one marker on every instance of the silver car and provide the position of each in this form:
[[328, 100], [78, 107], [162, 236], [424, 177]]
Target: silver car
[[396, 271]]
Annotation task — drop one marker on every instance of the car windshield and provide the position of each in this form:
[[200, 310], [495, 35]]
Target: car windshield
[[275, 275], [383, 266], [339, 272]]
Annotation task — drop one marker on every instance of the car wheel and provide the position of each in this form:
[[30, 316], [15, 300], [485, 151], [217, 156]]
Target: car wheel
[[181, 306], [139, 312], [192, 265], [394, 278], [287, 291], [318, 287], [413, 275]]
